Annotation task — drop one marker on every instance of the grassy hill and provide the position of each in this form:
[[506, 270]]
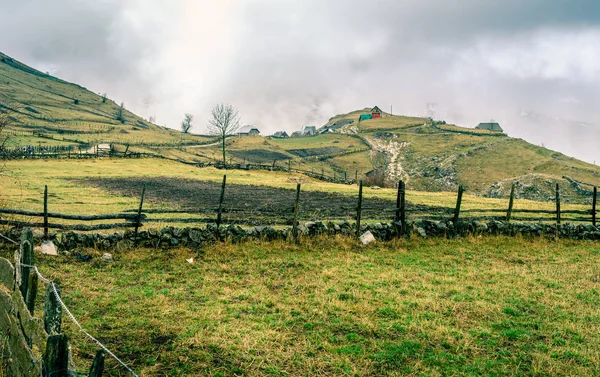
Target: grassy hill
[[427, 155]]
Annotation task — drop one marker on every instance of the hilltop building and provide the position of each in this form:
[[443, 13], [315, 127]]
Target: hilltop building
[[490, 126], [364, 117], [280, 134], [332, 128], [375, 112], [248, 131], [296, 134], [309, 130]]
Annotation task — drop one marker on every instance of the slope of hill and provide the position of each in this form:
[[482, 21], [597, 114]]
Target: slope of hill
[[427, 155], [45, 110]]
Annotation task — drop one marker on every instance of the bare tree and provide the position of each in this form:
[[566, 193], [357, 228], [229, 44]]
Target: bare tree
[[152, 119], [120, 116], [186, 123], [4, 123], [103, 97], [224, 121]]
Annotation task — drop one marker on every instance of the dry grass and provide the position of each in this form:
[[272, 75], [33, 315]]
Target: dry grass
[[493, 306]]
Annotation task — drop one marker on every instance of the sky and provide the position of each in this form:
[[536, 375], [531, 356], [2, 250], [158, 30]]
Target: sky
[[531, 65]]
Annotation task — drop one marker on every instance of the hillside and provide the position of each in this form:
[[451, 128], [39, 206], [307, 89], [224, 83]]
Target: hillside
[[428, 155], [47, 111]]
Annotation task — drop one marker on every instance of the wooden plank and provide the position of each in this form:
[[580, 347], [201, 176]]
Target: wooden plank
[[221, 199], [359, 208], [296, 212], [52, 310], [594, 206], [557, 204], [510, 202], [68, 227], [97, 365], [116, 216], [46, 212], [25, 257], [56, 357], [139, 214], [458, 203]]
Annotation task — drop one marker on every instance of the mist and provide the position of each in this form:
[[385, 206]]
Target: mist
[[285, 64]]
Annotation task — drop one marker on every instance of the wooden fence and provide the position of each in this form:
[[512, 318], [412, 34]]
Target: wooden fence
[[292, 214], [34, 347]]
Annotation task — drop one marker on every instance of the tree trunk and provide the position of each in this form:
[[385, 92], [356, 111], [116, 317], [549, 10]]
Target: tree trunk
[[224, 160]]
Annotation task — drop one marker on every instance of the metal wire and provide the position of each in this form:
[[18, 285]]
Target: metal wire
[[62, 304], [8, 239]]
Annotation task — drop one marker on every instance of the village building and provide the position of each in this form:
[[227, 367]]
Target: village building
[[280, 134], [248, 131], [297, 134], [364, 117], [490, 126], [375, 112], [309, 130]]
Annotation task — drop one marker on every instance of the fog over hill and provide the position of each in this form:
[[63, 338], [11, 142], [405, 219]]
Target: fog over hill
[[532, 66]]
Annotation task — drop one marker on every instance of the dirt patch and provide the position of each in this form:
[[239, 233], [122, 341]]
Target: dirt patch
[[262, 205]]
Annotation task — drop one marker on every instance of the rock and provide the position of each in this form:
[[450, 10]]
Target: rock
[[367, 237], [190, 261], [422, 232], [107, 257], [48, 248], [375, 187], [38, 234]]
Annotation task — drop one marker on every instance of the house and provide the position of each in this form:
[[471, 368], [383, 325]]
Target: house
[[280, 134], [375, 112], [309, 130], [296, 134], [248, 131], [490, 126], [364, 117]]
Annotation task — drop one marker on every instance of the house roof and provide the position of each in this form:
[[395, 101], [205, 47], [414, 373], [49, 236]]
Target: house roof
[[310, 128], [491, 126], [365, 116], [246, 129], [376, 110]]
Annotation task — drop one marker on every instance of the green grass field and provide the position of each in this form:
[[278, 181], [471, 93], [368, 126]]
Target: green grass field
[[470, 307]]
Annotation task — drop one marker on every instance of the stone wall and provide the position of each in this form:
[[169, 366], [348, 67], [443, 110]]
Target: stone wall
[[171, 237]]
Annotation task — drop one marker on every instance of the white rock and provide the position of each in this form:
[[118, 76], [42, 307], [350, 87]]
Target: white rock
[[107, 257], [367, 237], [375, 187], [190, 261], [48, 248]]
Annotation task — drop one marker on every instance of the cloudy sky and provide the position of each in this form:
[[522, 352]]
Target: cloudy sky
[[532, 65]]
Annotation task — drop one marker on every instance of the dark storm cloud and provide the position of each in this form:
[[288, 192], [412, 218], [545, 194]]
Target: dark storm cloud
[[290, 63]]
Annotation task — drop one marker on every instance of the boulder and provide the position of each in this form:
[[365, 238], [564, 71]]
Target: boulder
[[107, 257], [367, 237], [48, 248]]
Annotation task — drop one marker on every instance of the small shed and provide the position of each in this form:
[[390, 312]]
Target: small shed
[[248, 131], [375, 112], [280, 134], [309, 130], [490, 126], [364, 117]]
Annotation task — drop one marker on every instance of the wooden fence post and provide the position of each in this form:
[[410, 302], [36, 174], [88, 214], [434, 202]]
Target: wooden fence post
[[56, 357], [220, 211], [458, 202], [594, 206], [97, 365], [397, 211], [46, 212], [296, 212], [345, 176], [359, 208], [356, 175], [289, 166], [24, 256], [557, 204], [32, 287], [52, 310], [138, 220], [510, 203]]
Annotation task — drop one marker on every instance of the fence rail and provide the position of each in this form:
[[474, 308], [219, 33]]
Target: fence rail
[[291, 214]]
